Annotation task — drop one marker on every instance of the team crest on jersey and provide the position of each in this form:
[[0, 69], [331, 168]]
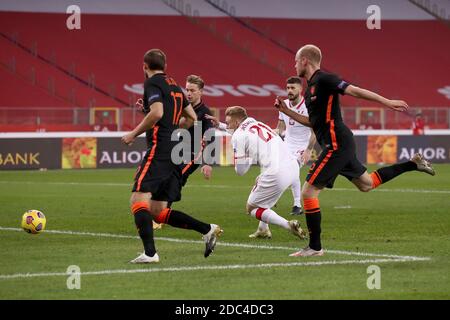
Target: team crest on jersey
[[312, 90]]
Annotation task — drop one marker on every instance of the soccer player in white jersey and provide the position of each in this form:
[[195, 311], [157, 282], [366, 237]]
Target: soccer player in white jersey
[[254, 142], [299, 138]]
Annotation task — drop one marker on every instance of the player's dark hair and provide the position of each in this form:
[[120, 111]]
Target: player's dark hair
[[292, 80], [195, 80], [155, 59]]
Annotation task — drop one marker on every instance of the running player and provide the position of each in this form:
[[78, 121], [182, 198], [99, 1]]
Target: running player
[[158, 178], [336, 139]]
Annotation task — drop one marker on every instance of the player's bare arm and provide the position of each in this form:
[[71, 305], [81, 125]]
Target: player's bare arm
[[282, 107], [312, 140], [397, 105], [216, 123], [189, 114], [185, 123], [155, 114], [281, 127], [307, 153]]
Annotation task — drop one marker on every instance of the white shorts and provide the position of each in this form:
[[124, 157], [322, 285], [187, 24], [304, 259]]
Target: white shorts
[[297, 152], [269, 187]]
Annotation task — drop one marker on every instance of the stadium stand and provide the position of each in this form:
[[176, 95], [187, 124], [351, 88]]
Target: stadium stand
[[243, 51]]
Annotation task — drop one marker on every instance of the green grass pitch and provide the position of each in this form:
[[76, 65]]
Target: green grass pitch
[[403, 227]]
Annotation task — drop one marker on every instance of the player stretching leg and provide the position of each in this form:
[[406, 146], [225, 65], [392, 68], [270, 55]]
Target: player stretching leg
[[336, 139], [158, 178], [254, 141]]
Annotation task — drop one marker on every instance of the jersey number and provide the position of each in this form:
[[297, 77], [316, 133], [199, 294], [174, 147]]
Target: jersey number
[[264, 132], [177, 112]]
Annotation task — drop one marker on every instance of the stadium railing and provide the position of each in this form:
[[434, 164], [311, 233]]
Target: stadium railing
[[18, 119]]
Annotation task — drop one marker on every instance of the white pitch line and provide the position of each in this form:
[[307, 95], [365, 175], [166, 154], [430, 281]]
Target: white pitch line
[[201, 268], [392, 256], [94, 184], [396, 190], [78, 233], [226, 244], [214, 186]]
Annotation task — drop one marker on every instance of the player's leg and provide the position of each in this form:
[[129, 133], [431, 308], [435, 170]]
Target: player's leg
[[140, 207], [367, 182], [263, 230], [268, 216], [296, 193], [313, 217], [183, 168], [296, 185], [266, 193], [175, 218], [178, 219], [322, 174], [186, 171], [170, 191], [184, 177]]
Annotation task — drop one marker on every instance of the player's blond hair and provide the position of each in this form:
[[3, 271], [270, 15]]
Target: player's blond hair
[[310, 52], [194, 79], [236, 112]]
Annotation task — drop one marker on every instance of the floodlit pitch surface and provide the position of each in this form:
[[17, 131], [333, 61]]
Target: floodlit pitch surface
[[403, 228]]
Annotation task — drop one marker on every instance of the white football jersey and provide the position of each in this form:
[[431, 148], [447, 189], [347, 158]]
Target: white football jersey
[[296, 135], [257, 141]]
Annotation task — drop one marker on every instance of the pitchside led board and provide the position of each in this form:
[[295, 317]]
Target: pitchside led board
[[101, 152]]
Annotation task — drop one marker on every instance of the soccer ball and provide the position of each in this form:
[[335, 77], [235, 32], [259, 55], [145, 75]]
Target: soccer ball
[[33, 221]]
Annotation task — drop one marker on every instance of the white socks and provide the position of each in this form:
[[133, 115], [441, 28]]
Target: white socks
[[296, 193], [263, 226], [268, 216]]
